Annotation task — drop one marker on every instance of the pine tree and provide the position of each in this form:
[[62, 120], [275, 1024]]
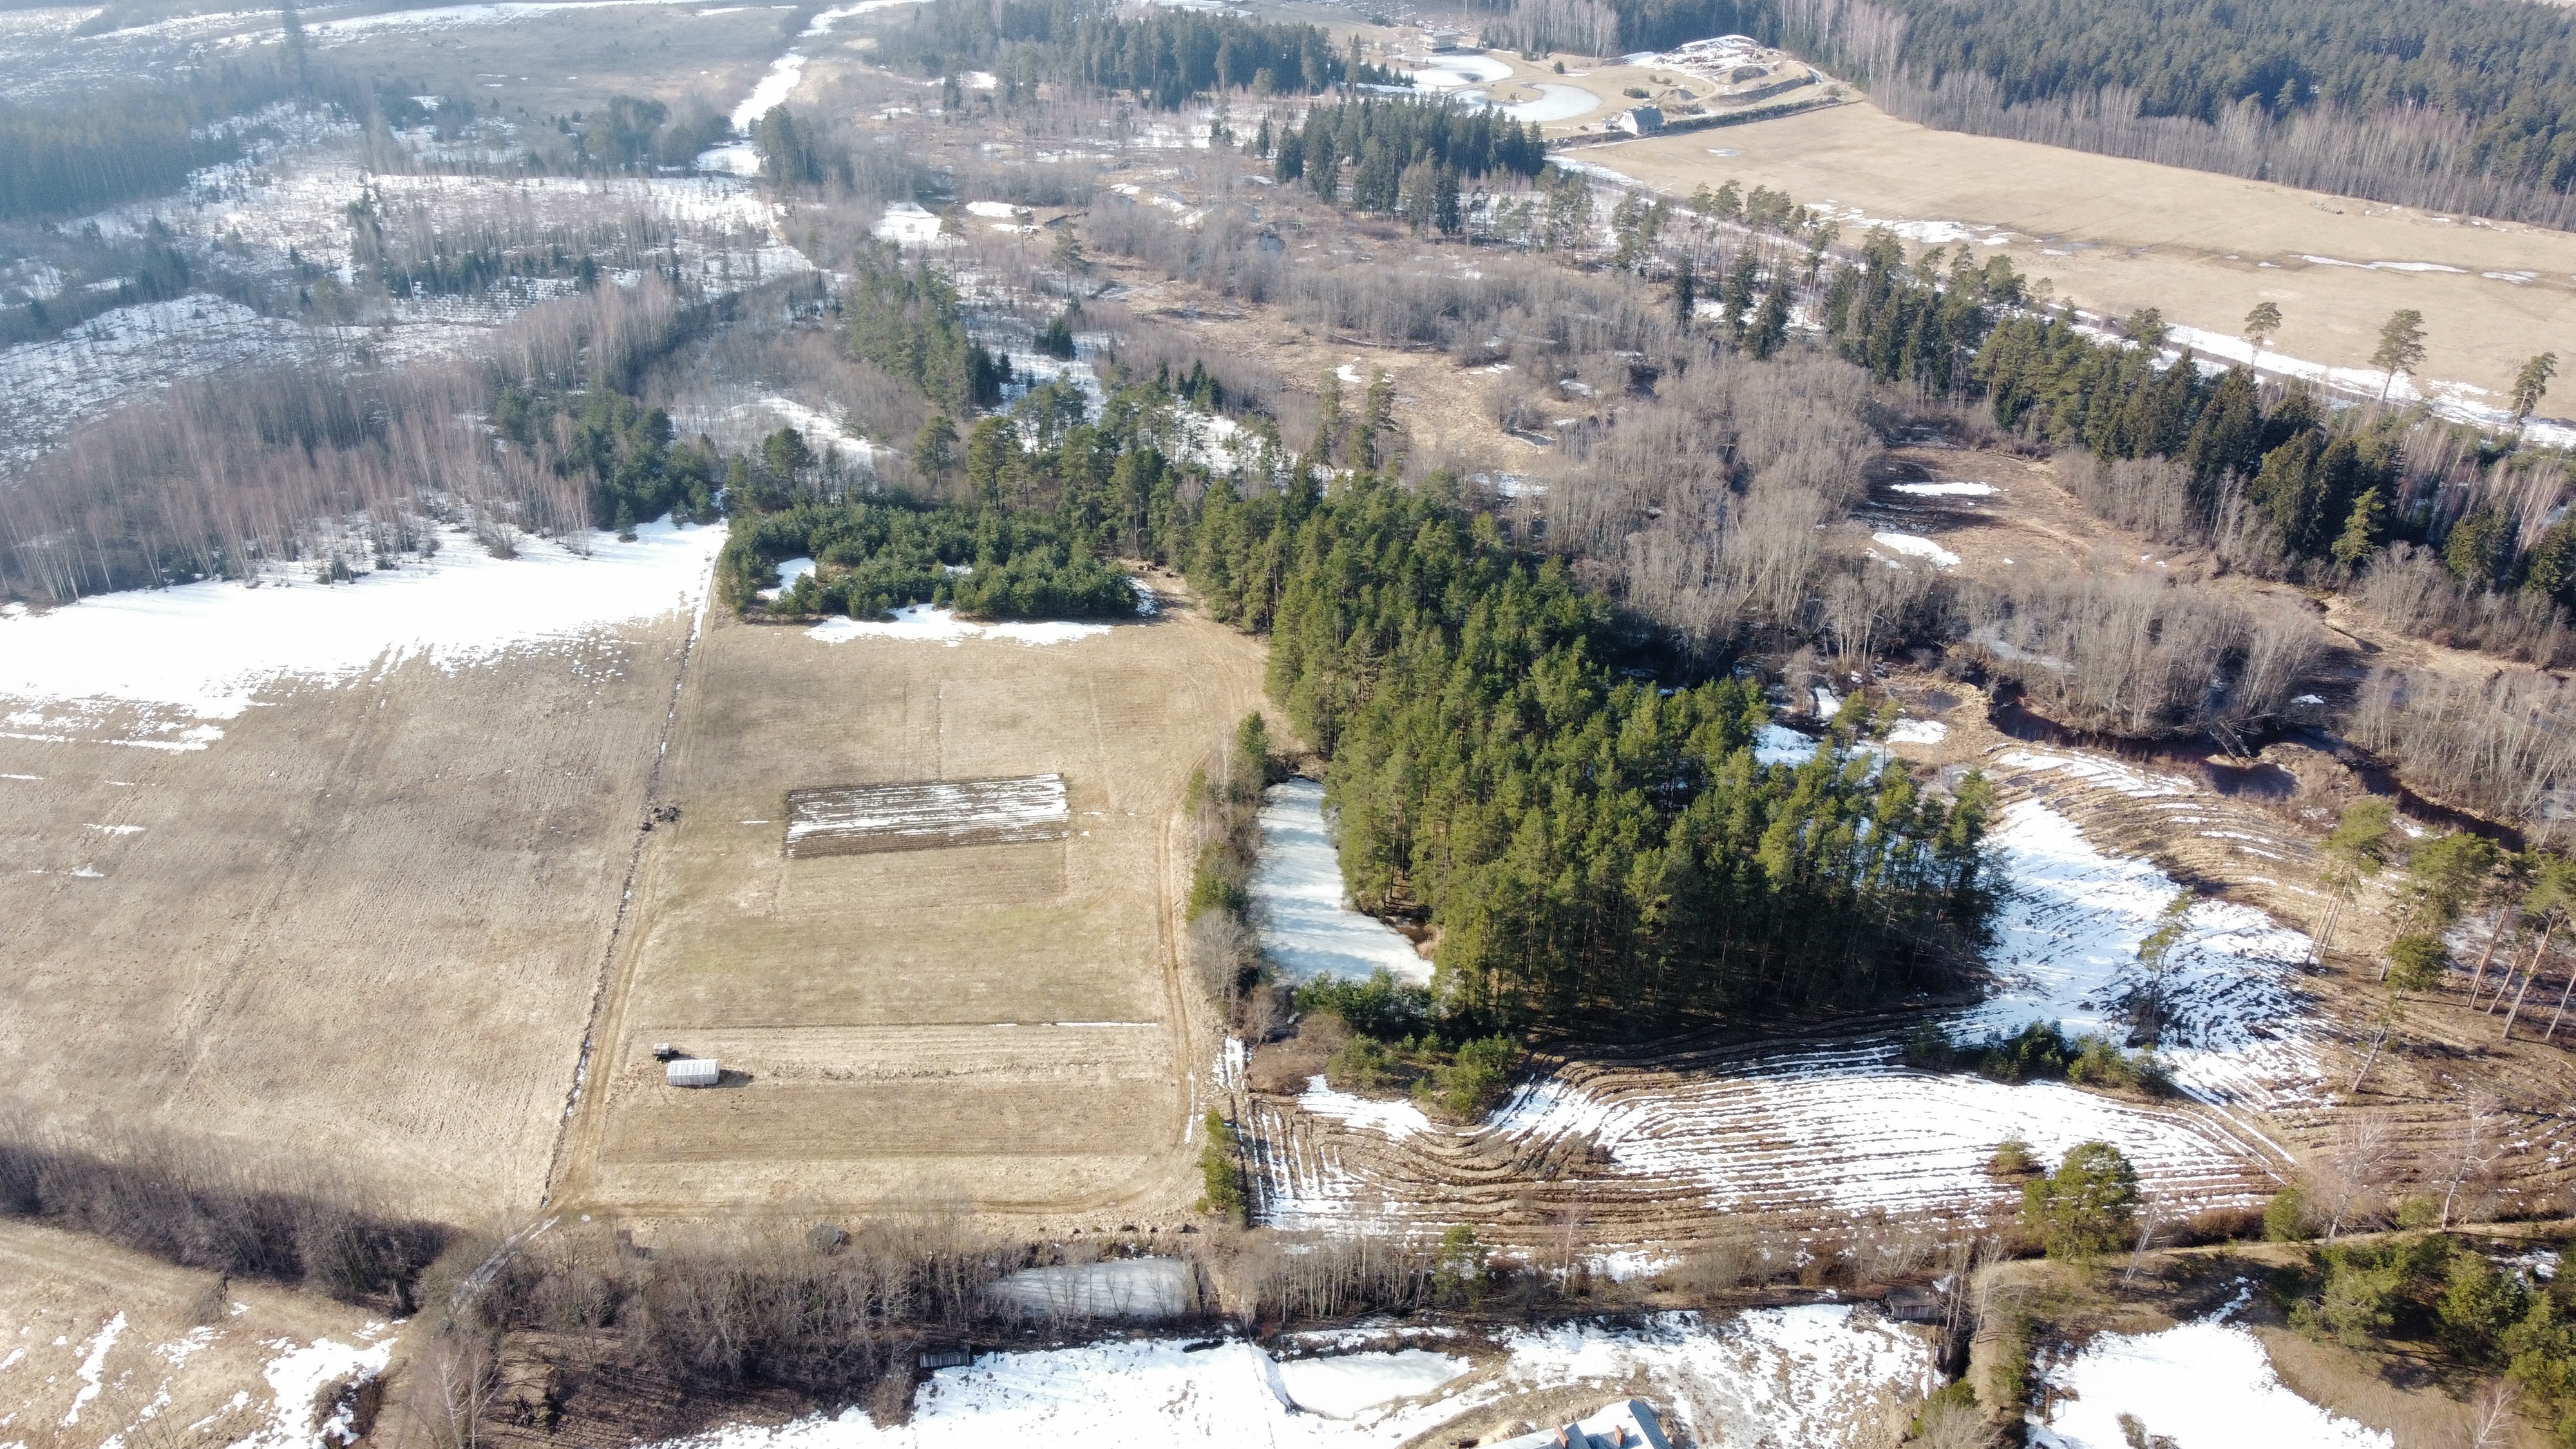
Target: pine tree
[[2401, 347], [2260, 324], [2531, 384], [2363, 531]]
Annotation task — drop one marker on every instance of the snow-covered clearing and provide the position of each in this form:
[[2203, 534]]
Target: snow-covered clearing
[[2237, 1028], [1807, 1376], [1846, 1129], [905, 223], [117, 354], [183, 656], [2203, 1385], [924, 624], [1142, 1288], [1306, 926]]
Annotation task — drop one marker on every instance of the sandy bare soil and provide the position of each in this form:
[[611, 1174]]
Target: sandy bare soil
[[995, 1024], [2116, 235], [362, 928]]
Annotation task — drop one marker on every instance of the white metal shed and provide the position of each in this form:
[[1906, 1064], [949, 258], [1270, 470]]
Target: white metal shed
[[692, 1072]]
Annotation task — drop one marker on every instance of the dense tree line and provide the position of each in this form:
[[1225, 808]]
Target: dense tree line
[[2429, 104], [1910, 321], [906, 321], [875, 556], [68, 157], [1588, 846], [1163, 57], [1406, 154]]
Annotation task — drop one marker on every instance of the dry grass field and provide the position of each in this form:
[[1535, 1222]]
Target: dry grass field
[[99, 1345], [361, 929], [2116, 235], [994, 1026]]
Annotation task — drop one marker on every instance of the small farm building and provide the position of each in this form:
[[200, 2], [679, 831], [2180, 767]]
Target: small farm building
[[692, 1072], [1643, 121]]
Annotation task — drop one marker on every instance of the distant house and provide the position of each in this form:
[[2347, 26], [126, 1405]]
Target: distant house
[[692, 1072], [1627, 1424], [1642, 121], [1439, 42]]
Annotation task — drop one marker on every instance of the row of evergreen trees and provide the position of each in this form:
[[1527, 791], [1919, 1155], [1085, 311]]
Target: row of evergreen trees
[[1590, 847], [875, 556], [1164, 56], [906, 321], [1385, 135]]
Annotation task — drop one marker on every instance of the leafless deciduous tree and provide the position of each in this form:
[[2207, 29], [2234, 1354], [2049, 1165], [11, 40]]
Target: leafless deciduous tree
[[2138, 655], [2504, 749]]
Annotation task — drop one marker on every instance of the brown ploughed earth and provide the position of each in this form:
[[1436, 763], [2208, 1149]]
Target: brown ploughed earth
[[999, 1028]]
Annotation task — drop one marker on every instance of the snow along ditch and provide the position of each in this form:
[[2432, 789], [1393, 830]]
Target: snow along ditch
[[1846, 1127], [1815, 1375]]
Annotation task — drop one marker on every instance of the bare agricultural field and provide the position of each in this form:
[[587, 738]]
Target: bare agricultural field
[[2117, 235], [988, 1025], [362, 927]]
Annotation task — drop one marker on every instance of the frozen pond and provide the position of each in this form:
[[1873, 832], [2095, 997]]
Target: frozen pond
[[1116, 1288], [1306, 924]]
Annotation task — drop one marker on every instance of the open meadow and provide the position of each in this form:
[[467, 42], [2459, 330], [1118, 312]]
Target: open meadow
[[2116, 235], [994, 1026]]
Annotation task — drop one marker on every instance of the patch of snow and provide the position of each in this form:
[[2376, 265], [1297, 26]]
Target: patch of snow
[[1915, 547], [207, 650], [907, 224], [1342, 1386], [995, 210], [1918, 732], [1946, 490], [93, 1364], [922, 623], [2199, 1384], [297, 1377], [1145, 603], [789, 571], [1397, 1119], [1304, 922]]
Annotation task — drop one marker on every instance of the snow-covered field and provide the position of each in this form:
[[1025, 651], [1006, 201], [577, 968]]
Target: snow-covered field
[[2203, 1385], [1306, 925], [1847, 1129], [1804, 1376], [158, 667]]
